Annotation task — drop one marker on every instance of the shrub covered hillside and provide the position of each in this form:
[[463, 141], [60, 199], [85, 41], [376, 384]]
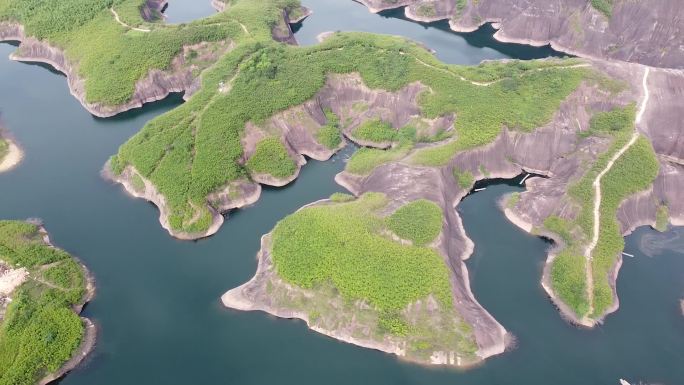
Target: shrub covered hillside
[[39, 331], [342, 249], [196, 149], [112, 57], [634, 171]]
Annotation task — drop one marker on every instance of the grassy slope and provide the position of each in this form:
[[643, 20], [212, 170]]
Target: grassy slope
[[338, 249], [40, 331]]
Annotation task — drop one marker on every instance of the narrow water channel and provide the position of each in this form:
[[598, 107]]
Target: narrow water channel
[[157, 302]]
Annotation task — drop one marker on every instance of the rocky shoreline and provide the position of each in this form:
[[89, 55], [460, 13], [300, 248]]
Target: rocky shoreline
[[250, 297], [573, 27], [155, 86], [90, 335], [512, 153]]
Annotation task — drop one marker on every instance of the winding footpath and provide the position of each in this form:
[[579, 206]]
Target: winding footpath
[[118, 20], [597, 192]]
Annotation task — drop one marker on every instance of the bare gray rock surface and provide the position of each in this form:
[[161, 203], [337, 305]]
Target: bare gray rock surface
[[649, 32]]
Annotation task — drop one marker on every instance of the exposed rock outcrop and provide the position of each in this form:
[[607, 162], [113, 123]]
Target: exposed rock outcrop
[[282, 31], [647, 32], [180, 77], [152, 10]]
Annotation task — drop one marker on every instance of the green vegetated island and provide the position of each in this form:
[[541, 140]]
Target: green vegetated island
[[381, 268], [42, 290], [10, 153]]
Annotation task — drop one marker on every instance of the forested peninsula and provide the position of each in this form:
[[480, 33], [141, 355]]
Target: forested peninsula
[[42, 292]]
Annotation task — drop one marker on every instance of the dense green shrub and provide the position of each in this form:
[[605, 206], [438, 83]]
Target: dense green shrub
[[341, 197], [329, 135], [603, 6], [419, 221], [464, 179], [271, 157], [39, 332], [609, 122], [568, 279], [376, 131], [634, 171], [342, 243]]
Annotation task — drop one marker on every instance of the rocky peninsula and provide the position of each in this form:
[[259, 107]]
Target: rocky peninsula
[[42, 292], [640, 32]]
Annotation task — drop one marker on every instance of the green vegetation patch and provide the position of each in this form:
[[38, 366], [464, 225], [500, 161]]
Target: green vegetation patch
[[568, 278], [464, 179], [613, 121], [342, 244], [419, 221], [366, 159], [345, 273], [4, 149], [520, 97], [271, 157], [330, 135], [376, 131], [39, 332], [633, 172], [603, 6], [662, 218], [111, 57]]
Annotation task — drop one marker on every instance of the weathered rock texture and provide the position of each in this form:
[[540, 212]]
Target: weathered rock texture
[[180, 77], [152, 10], [648, 32]]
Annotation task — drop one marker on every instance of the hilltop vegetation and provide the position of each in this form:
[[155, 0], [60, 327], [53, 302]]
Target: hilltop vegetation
[[111, 57], [195, 149], [271, 157], [40, 331], [349, 274], [342, 243], [419, 221]]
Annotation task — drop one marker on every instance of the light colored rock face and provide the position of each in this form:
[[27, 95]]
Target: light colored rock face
[[10, 279], [648, 32]]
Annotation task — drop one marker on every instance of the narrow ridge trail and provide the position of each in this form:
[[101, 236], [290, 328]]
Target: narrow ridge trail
[[597, 193], [118, 20]]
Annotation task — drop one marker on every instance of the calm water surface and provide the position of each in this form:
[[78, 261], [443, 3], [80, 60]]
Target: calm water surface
[[157, 303]]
